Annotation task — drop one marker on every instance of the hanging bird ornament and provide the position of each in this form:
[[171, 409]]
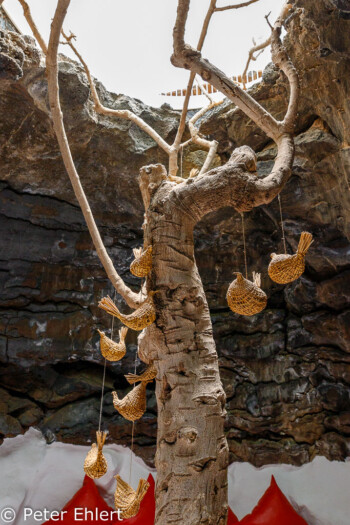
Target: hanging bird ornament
[[133, 405], [142, 264], [111, 350], [148, 375], [95, 464], [139, 319], [127, 499], [285, 268], [246, 297]]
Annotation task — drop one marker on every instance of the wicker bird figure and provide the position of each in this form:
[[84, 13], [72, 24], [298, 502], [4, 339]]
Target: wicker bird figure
[[246, 297], [127, 499], [95, 464], [142, 264], [148, 375], [111, 350], [133, 405], [285, 268], [139, 319]]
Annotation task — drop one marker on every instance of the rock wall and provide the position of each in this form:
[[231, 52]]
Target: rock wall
[[286, 371]]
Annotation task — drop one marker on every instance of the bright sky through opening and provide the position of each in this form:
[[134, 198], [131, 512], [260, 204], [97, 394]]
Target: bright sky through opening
[[128, 44]]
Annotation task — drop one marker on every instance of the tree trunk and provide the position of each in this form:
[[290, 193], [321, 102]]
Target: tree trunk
[[192, 452]]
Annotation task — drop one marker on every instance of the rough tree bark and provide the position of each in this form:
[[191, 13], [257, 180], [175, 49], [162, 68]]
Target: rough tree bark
[[192, 453]]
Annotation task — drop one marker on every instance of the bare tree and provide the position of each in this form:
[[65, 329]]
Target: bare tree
[[192, 452]]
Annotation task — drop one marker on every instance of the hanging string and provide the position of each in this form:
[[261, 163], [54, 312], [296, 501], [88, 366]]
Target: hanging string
[[181, 160], [282, 228], [244, 248], [104, 375], [132, 430]]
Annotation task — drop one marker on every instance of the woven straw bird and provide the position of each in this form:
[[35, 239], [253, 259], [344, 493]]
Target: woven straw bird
[[246, 297], [139, 319], [285, 268], [142, 264], [133, 405], [148, 375], [127, 499], [110, 349], [95, 464]]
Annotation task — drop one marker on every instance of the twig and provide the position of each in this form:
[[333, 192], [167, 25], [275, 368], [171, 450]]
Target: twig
[[268, 21], [204, 91], [34, 29], [237, 6], [211, 145], [259, 47]]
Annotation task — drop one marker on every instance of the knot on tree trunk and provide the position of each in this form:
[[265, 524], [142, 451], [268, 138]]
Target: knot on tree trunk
[[244, 157], [150, 179], [181, 56]]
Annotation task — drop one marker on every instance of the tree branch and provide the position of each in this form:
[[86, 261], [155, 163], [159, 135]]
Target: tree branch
[[130, 297], [32, 25], [281, 60], [237, 6], [236, 183], [182, 123], [186, 57], [259, 47], [120, 113], [211, 145]]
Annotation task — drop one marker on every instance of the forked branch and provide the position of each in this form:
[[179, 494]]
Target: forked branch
[[236, 184], [171, 150], [131, 298], [189, 58], [120, 113], [251, 56]]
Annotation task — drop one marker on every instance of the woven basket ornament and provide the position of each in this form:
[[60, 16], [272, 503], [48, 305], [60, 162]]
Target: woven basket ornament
[[139, 319], [127, 499], [133, 405], [286, 268], [111, 350], [142, 264], [246, 297], [95, 464], [148, 375]]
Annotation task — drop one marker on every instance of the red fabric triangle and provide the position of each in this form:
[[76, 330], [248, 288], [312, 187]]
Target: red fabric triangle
[[232, 518], [86, 499], [273, 508]]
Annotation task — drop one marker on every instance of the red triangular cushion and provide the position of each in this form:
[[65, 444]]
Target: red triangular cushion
[[147, 512], [273, 509], [88, 497], [232, 518]]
